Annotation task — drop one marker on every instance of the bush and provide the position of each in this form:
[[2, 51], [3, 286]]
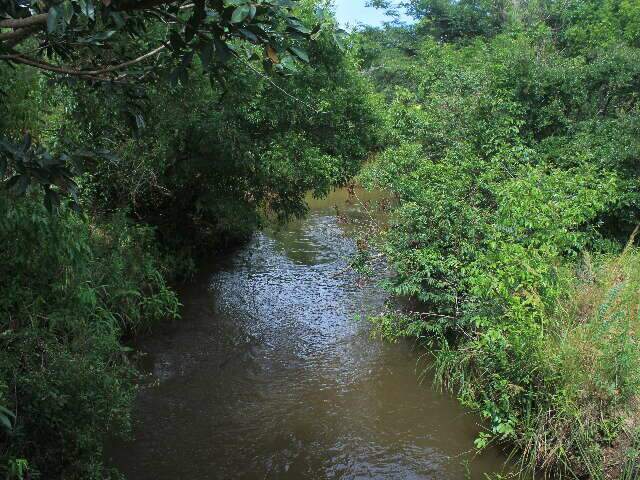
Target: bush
[[511, 156], [71, 290]]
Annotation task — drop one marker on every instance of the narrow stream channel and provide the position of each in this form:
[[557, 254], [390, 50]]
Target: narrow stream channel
[[271, 376]]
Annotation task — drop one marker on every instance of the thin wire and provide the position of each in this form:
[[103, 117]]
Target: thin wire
[[278, 87]]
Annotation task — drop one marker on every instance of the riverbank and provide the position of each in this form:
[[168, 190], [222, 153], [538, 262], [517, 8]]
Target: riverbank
[[517, 185], [571, 393], [530, 312]]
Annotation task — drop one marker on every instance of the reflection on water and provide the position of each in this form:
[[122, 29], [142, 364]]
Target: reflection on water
[[271, 376]]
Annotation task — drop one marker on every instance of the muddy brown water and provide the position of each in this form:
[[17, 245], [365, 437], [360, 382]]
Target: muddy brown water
[[271, 375]]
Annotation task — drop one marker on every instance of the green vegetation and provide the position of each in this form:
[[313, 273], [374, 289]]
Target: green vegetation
[[116, 183], [513, 154], [71, 287], [138, 135]]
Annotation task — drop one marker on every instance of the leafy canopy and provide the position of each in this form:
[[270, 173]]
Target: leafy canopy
[[109, 39]]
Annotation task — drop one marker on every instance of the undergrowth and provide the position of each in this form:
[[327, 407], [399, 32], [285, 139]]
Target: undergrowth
[[515, 184], [71, 289], [567, 398]]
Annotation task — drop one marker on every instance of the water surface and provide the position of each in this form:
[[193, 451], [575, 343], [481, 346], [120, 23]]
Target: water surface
[[271, 376]]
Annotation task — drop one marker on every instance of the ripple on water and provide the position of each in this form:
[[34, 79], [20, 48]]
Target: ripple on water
[[269, 375]]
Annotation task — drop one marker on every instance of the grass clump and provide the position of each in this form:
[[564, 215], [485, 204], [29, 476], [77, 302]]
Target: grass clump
[[593, 347]]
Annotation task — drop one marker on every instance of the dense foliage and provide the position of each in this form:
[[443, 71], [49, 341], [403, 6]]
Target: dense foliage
[[136, 136], [74, 33], [514, 151], [163, 170], [71, 289]]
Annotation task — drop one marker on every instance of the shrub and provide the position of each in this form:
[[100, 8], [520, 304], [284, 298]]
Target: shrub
[[510, 158], [71, 289]]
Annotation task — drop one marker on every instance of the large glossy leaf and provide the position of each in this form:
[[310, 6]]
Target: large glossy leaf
[[240, 13], [53, 19], [300, 53], [5, 421], [6, 418]]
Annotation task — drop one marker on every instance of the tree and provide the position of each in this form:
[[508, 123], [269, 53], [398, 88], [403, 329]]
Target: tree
[[127, 42], [124, 39], [449, 20]]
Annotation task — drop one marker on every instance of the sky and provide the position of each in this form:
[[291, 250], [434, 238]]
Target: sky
[[353, 12]]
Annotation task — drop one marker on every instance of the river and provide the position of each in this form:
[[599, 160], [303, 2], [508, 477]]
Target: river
[[273, 374]]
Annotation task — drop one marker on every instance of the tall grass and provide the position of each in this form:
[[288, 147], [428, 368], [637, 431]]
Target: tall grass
[[593, 349]]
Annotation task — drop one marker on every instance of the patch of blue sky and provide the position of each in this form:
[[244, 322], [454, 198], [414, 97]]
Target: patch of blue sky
[[355, 12]]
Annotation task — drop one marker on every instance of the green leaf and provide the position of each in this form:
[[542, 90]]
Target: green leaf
[[139, 118], [52, 19], [88, 8], [240, 13], [98, 37], [300, 53], [4, 420], [118, 19], [67, 12], [6, 411], [297, 26], [249, 35], [5, 417]]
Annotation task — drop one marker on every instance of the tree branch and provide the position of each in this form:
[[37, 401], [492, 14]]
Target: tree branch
[[131, 5], [15, 23], [19, 34], [278, 87], [17, 58], [41, 18]]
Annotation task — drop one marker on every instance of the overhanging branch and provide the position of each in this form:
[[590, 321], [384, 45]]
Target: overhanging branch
[[41, 18], [15, 23], [24, 27], [17, 58], [19, 34]]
